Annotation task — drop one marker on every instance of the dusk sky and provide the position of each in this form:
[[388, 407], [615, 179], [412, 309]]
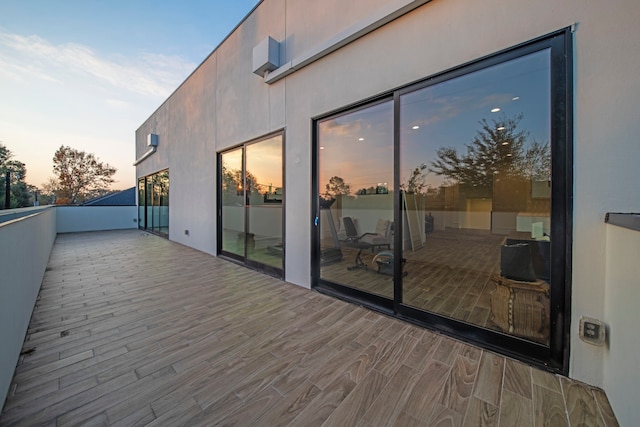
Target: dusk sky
[[88, 73]]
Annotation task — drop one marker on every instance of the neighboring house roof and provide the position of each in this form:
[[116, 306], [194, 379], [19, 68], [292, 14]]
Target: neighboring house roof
[[121, 198]]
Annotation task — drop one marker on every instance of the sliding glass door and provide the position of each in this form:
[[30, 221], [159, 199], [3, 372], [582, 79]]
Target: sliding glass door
[[233, 203], [265, 198], [251, 204], [448, 202], [153, 203], [475, 155], [355, 213]]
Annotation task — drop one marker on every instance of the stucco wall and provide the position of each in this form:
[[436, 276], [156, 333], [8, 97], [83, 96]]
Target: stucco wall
[[24, 253], [621, 364], [73, 219], [224, 104]]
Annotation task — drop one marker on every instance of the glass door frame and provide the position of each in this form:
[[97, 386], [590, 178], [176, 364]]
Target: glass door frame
[[554, 357], [147, 204], [379, 302], [244, 259]]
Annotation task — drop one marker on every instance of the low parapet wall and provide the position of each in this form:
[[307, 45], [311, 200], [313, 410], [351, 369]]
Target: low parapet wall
[[25, 245], [26, 239]]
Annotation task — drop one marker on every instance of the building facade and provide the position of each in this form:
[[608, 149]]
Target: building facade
[[446, 162]]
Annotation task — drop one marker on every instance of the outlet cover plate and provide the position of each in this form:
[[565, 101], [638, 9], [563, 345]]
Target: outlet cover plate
[[592, 331]]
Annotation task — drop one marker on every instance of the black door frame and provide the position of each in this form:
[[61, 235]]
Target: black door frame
[[554, 357], [244, 260]]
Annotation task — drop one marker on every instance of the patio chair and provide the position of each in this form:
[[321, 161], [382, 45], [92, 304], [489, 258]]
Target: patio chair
[[363, 241], [383, 236], [352, 240]]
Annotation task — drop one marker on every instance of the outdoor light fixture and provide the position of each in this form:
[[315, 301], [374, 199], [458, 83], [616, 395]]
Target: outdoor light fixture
[[152, 140], [266, 57], [152, 143]]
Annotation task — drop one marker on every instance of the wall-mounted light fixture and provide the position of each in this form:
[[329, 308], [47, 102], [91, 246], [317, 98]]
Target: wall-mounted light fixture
[[152, 142], [266, 56]]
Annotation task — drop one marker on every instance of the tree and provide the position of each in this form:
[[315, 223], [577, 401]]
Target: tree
[[498, 148], [20, 195], [336, 187], [80, 175], [49, 191]]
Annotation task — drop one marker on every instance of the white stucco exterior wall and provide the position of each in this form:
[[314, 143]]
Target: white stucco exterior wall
[[224, 104], [621, 368], [75, 219]]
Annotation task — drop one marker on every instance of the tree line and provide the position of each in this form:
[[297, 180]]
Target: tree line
[[78, 177]]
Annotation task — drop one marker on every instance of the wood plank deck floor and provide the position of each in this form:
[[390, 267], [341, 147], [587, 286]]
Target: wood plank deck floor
[[131, 329]]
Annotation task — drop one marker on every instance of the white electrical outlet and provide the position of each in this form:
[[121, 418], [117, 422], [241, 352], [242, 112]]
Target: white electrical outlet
[[592, 331]]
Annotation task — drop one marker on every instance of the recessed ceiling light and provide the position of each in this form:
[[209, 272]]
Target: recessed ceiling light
[[360, 139], [415, 127], [515, 98], [495, 110], [322, 148]]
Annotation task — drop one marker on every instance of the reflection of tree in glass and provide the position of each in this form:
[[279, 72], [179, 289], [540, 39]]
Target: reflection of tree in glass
[[498, 148], [336, 187], [160, 182], [232, 180], [416, 183]]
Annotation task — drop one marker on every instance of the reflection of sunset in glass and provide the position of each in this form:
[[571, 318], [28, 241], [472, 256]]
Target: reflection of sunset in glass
[[358, 147], [451, 114], [264, 162]]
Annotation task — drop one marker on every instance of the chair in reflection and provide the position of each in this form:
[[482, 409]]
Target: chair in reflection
[[353, 240], [382, 237]]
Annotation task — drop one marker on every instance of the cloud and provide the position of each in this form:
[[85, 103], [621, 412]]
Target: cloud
[[118, 104], [148, 74]]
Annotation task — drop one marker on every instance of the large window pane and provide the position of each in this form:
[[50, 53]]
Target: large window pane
[[233, 202], [476, 173], [265, 201], [149, 200], [162, 190], [356, 197], [141, 204], [153, 203]]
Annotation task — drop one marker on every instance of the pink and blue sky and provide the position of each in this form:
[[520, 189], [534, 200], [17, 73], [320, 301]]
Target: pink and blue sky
[[87, 73]]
